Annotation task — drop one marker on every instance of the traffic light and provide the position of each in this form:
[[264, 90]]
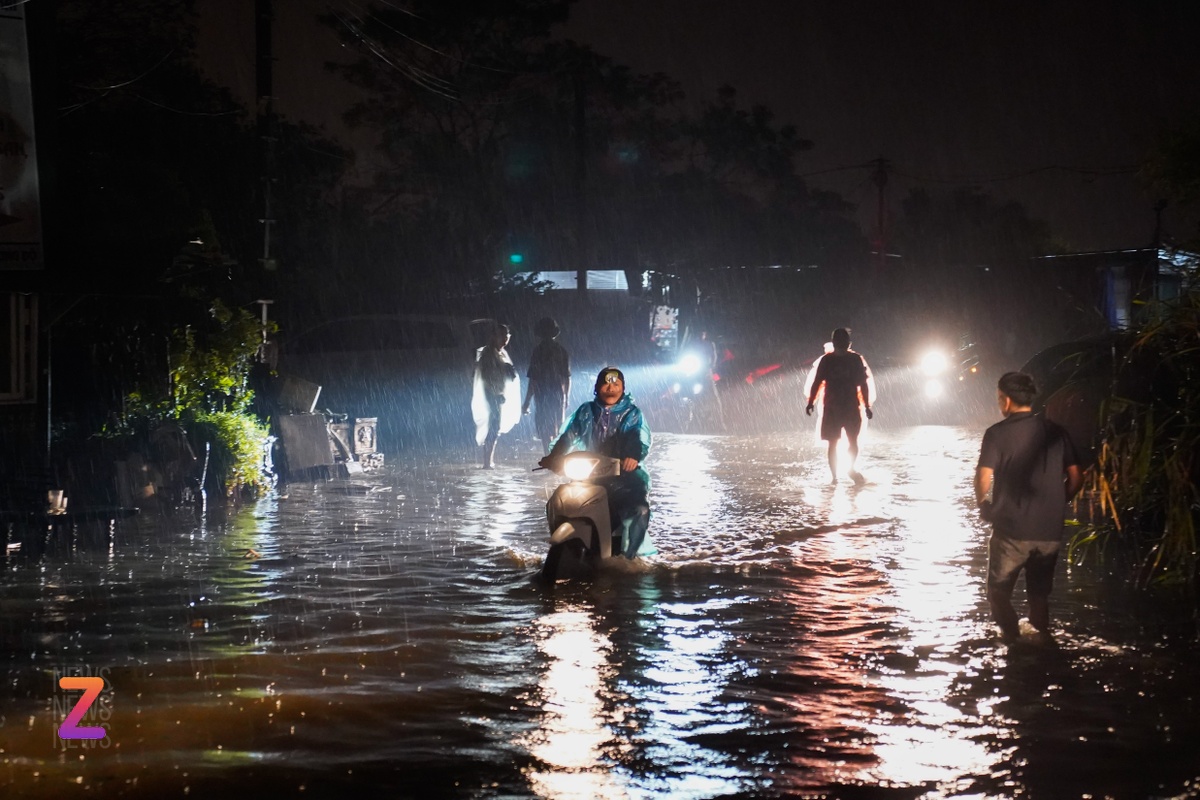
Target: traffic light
[[518, 255]]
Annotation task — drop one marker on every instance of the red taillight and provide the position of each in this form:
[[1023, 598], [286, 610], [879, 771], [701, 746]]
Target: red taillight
[[758, 373]]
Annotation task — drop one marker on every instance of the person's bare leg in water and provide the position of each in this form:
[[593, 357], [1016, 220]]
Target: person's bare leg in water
[[852, 442]]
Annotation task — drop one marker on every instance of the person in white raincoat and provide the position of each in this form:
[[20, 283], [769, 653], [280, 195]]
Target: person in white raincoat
[[496, 394]]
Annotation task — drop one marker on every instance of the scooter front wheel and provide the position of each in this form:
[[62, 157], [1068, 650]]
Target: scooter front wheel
[[563, 560]]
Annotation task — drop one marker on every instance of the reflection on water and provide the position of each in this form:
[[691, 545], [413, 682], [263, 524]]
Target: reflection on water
[[792, 638], [600, 719], [574, 730], [677, 696], [690, 518], [935, 598]]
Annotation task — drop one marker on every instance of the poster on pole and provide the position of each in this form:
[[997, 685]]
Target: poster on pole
[[20, 202]]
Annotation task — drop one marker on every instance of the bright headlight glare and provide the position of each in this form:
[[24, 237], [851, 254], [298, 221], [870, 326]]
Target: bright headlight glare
[[690, 363], [934, 363], [578, 469], [933, 389]]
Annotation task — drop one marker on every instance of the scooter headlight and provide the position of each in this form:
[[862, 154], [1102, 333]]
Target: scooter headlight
[[578, 469]]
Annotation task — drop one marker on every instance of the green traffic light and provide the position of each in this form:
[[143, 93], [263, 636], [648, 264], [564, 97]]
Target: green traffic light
[[516, 258]]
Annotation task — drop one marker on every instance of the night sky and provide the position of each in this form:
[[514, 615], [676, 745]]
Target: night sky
[[1049, 103], [1063, 94]]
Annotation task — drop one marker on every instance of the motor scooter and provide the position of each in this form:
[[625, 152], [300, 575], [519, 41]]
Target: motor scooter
[[582, 529], [690, 403]]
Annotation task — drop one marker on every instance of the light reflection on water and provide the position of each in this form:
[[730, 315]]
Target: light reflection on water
[[934, 597], [573, 734], [790, 638]]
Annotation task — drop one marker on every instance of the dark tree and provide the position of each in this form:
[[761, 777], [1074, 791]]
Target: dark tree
[[968, 227], [496, 139], [159, 197], [1172, 172], [154, 156]]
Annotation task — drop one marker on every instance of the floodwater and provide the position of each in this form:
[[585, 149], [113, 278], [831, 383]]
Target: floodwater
[[383, 636]]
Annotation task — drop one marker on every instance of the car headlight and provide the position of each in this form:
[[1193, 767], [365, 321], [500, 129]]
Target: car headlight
[[934, 389], [934, 363]]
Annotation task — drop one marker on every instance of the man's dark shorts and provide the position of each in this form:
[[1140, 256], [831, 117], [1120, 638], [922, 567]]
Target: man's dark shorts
[[1007, 557], [835, 418]]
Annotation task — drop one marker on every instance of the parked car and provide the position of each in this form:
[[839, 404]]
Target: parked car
[[410, 371]]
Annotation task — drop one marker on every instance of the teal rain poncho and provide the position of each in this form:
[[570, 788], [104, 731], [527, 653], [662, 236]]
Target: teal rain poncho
[[618, 431]]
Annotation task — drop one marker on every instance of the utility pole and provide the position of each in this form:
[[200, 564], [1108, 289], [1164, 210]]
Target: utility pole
[[264, 63], [264, 18], [1159, 208], [581, 239], [880, 178]]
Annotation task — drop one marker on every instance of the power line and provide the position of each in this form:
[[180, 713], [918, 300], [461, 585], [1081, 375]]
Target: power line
[[845, 168], [1097, 171], [417, 75], [1123, 169]]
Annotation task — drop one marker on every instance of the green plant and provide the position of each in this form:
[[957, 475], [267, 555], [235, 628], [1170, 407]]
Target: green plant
[[1142, 492], [208, 394], [238, 440]]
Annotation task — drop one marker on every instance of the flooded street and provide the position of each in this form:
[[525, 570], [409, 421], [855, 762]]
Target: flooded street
[[791, 639]]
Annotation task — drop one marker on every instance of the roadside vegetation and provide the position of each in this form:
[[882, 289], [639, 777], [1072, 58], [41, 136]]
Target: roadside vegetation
[[1142, 496], [205, 390]]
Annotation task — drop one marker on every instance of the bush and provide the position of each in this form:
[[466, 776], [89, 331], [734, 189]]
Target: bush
[[1144, 483], [208, 395]]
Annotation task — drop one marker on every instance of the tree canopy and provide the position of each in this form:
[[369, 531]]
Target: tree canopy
[[1172, 170], [497, 138], [153, 157]]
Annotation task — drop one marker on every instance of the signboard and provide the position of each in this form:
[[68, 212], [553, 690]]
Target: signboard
[[20, 203]]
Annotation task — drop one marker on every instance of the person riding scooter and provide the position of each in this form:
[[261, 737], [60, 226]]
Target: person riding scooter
[[613, 426]]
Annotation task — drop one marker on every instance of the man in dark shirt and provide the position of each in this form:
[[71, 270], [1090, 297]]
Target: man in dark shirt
[[844, 375], [1027, 472], [549, 382]]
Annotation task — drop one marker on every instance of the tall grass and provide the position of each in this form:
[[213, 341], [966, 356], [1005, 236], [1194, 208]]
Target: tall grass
[[1141, 497]]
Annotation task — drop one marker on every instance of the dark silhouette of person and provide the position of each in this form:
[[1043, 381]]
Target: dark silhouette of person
[[709, 354], [845, 378], [549, 382], [1028, 470]]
